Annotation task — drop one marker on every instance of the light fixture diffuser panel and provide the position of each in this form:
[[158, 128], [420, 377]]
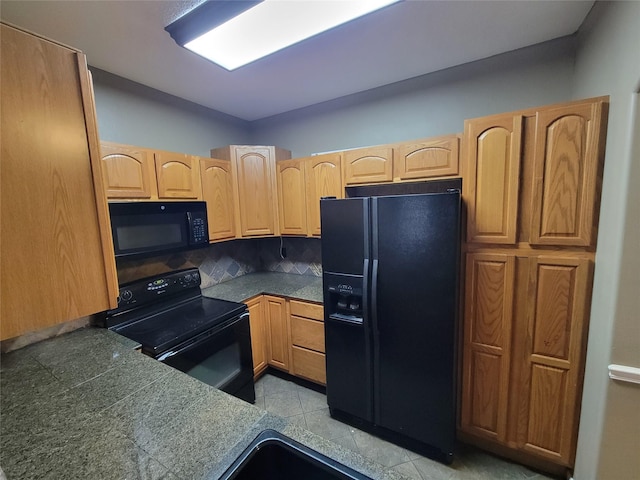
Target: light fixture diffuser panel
[[276, 24]]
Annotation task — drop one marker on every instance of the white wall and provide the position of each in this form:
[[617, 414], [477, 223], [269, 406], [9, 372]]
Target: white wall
[[428, 105], [608, 63], [133, 114]]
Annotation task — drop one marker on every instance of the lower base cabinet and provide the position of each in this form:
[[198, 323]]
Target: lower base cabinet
[[287, 335], [258, 337], [524, 352], [307, 341], [277, 326]]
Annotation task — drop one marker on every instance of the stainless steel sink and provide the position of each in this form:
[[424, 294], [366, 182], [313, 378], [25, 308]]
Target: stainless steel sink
[[272, 455]]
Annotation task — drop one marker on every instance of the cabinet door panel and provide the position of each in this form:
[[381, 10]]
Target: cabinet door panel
[[217, 191], [324, 179], [258, 334], [291, 197], [368, 165], [437, 157], [57, 261], [128, 171], [307, 333], [493, 147], [559, 295], [178, 176], [566, 169], [277, 332], [487, 343], [255, 177], [309, 364]]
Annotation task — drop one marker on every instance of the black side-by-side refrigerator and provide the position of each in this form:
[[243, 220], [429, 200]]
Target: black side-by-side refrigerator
[[390, 279]]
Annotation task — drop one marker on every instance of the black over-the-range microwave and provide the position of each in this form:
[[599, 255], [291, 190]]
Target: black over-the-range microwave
[[144, 229]]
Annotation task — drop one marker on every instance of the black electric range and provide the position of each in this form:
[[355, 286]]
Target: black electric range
[[206, 338]]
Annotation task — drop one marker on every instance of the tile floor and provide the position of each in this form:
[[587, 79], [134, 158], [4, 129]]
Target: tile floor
[[308, 408]]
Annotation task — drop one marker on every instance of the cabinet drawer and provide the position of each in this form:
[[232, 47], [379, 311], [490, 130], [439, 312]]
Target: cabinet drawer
[[307, 333], [309, 310], [309, 364]]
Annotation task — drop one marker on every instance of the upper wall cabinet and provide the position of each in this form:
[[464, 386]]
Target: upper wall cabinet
[[534, 176], [217, 191], [323, 179], [129, 172], [254, 175], [57, 253], [493, 149], [368, 165], [410, 161], [291, 197], [567, 163], [178, 176], [436, 157]]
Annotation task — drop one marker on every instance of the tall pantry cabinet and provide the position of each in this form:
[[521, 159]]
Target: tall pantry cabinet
[[56, 253], [532, 191]]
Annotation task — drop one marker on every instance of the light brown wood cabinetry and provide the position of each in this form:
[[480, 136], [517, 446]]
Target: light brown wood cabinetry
[[178, 176], [491, 185], [277, 332], [487, 340], [307, 341], [139, 173], [292, 203], [532, 193], [287, 335], [129, 172], [323, 179], [566, 166], [368, 165], [254, 176], [550, 380], [56, 238], [257, 326], [217, 191], [408, 161], [434, 157]]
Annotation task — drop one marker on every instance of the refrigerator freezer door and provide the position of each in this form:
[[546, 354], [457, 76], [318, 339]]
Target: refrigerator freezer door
[[345, 240], [415, 285], [345, 264]]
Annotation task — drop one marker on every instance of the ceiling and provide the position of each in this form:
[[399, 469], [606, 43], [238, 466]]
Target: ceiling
[[405, 40]]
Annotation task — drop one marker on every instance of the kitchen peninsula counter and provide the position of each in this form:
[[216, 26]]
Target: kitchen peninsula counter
[[87, 405], [301, 287]]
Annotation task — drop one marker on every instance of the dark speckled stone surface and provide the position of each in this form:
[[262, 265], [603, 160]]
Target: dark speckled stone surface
[[86, 405], [302, 287]]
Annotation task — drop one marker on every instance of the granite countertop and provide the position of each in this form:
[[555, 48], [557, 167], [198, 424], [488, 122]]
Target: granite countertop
[[301, 287], [87, 405]]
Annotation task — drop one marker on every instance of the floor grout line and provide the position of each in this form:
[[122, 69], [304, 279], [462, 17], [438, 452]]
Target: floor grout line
[[483, 467]]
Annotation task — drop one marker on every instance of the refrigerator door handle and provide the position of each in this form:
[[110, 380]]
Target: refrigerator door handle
[[374, 297], [376, 341], [365, 294]]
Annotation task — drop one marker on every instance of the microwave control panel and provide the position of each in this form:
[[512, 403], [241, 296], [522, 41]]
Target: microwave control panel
[[198, 228]]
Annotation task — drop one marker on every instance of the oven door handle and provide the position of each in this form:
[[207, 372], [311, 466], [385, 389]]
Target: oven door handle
[[206, 334]]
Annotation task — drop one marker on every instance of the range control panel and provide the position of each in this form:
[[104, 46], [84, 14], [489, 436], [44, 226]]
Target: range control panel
[[150, 289]]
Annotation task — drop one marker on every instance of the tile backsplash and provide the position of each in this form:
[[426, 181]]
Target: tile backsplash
[[226, 260]]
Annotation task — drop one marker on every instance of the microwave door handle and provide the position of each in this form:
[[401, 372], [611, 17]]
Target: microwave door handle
[[190, 228]]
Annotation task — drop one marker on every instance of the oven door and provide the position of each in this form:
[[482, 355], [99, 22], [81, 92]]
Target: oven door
[[220, 357]]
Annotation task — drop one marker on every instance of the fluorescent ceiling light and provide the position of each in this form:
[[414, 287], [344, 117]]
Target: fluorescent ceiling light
[[272, 25]]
